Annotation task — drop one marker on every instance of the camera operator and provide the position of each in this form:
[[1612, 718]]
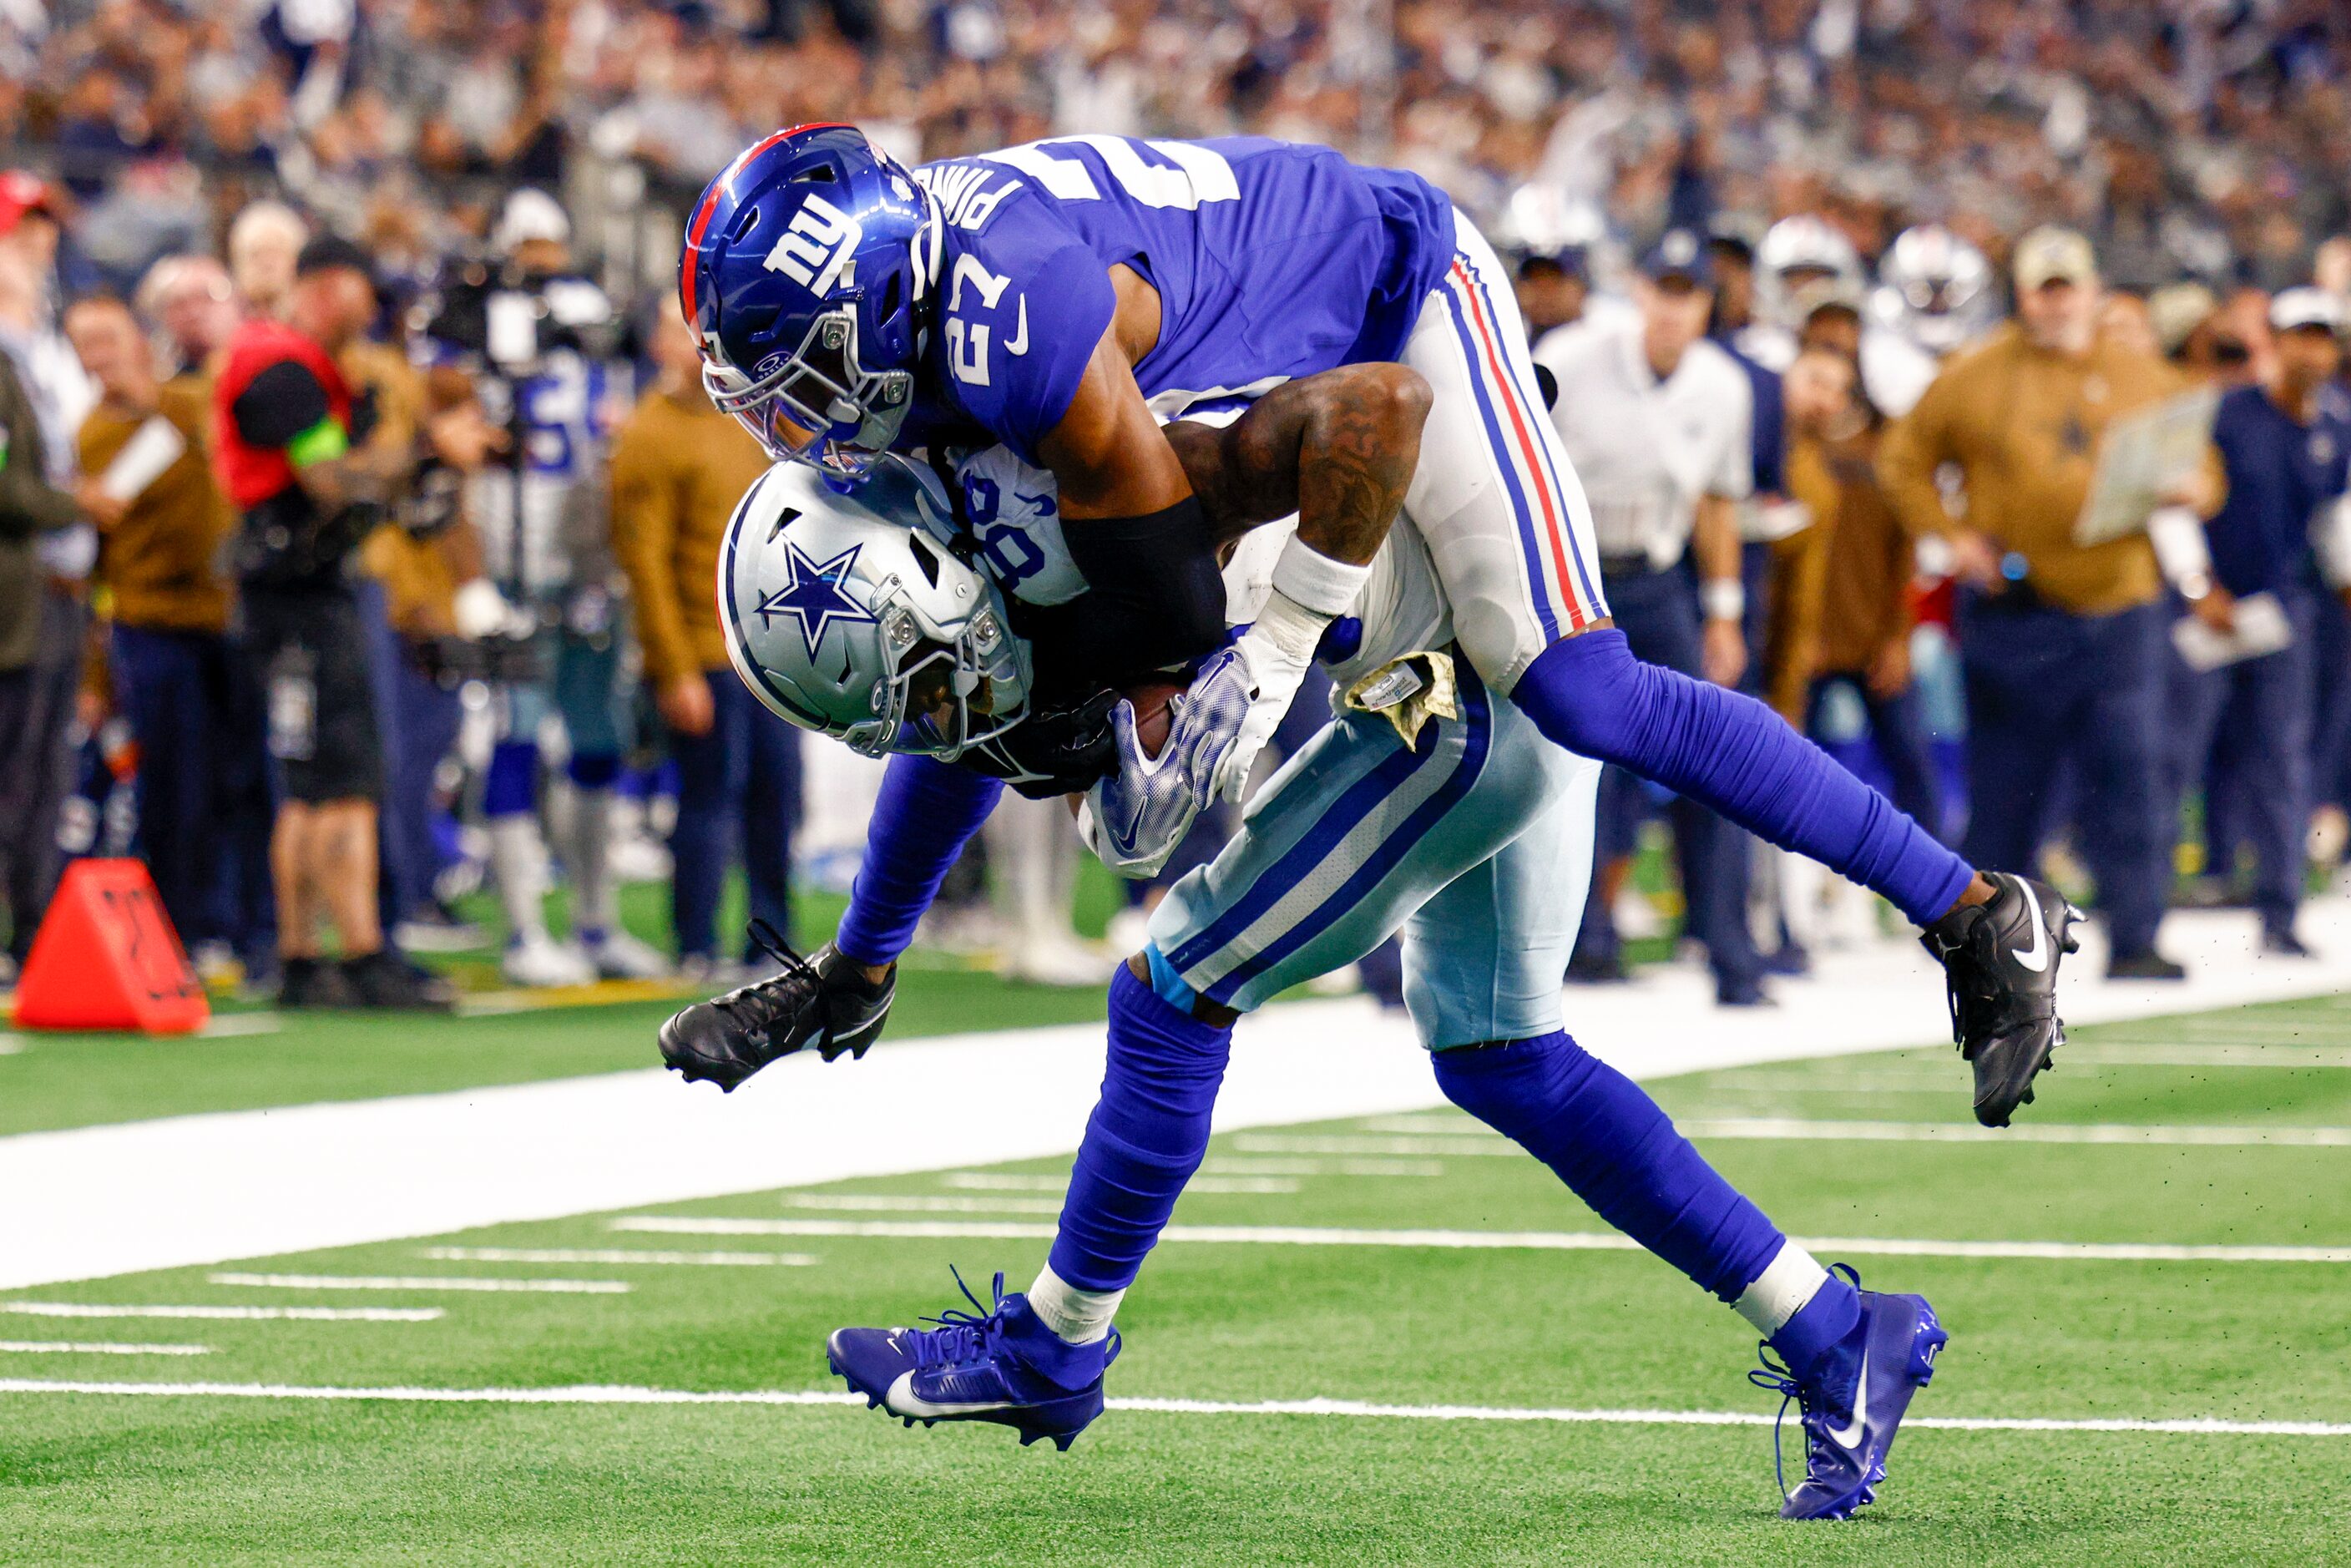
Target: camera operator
[[539, 341], [291, 449]]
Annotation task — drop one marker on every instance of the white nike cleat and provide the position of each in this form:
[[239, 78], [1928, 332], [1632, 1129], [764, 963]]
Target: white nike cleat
[[541, 963]]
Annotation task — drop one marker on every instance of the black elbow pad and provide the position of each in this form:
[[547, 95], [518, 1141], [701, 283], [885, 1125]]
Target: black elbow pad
[[1159, 598]]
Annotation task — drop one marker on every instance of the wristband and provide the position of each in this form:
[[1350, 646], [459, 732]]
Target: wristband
[[1312, 580], [1724, 598], [1289, 627]]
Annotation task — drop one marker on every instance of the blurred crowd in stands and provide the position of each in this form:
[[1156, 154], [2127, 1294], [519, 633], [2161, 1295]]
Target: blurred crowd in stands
[[471, 647]]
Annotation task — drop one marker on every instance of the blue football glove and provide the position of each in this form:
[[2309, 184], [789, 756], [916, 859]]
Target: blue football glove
[[1136, 817]]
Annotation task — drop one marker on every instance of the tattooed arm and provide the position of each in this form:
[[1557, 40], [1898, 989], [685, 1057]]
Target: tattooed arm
[[1338, 448]]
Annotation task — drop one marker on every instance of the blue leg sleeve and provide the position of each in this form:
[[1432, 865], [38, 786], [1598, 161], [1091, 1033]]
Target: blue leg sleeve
[[1611, 1145], [1144, 1139], [925, 815], [1731, 753], [510, 783]]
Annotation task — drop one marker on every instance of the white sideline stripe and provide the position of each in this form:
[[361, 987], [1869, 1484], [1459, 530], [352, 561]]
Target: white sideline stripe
[[227, 1024], [10, 1044], [423, 1282], [96, 1347], [613, 1255], [420, 1167], [308, 1315], [1486, 1240], [2198, 1426]]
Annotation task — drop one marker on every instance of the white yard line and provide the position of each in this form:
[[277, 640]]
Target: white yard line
[[208, 1189], [890, 1203], [96, 1347], [1476, 1142], [1347, 1409], [979, 1181], [424, 1282], [1476, 1241], [645, 1255], [1244, 1166], [305, 1314]]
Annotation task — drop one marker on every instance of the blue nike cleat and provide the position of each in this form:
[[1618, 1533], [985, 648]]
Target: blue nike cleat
[[1004, 1367], [1852, 1401]]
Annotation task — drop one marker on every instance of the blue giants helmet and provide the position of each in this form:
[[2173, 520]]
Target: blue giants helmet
[[805, 268]]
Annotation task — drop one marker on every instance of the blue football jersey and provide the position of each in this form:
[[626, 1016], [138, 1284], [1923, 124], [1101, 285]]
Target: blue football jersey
[[1273, 260]]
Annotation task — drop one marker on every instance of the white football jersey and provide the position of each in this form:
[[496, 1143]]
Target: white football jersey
[[1015, 514]]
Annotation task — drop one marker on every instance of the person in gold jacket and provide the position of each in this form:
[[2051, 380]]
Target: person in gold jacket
[[2062, 643], [163, 525], [678, 467]]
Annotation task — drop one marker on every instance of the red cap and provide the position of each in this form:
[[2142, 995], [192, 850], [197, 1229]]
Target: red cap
[[21, 192]]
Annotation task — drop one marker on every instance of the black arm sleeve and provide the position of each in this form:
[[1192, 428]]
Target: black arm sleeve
[[279, 403], [1157, 598]]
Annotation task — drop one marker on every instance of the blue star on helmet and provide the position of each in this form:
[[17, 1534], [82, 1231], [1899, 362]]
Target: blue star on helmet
[[813, 594]]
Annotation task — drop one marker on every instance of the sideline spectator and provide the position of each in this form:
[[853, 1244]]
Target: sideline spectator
[[1656, 417], [2064, 643], [1852, 619], [40, 612], [191, 301], [161, 521], [678, 467], [265, 248], [289, 449], [2282, 469]]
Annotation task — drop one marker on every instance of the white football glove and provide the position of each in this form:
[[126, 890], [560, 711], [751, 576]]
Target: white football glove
[[1133, 820]]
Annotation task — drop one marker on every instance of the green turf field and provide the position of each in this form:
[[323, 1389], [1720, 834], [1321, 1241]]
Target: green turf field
[[742, 1308]]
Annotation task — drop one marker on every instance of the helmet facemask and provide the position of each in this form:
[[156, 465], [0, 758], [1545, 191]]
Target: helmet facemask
[[818, 405], [944, 697]]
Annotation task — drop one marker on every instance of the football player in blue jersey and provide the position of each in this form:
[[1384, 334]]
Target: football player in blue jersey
[[1064, 297], [1428, 805], [841, 302]]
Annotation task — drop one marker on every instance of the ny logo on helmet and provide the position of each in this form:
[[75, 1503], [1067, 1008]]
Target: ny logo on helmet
[[813, 594], [816, 246]]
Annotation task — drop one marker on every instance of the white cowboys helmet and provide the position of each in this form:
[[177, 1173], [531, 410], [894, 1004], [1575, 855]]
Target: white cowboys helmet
[[1796, 251], [1935, 289], [846, 618]]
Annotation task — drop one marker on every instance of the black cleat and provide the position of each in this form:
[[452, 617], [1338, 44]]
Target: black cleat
[[2147, 966], [385, 979], [314, 983], [823, 1002], [2000, 964]]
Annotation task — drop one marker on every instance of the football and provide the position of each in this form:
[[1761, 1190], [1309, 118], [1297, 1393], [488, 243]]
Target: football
[[1152, 719]]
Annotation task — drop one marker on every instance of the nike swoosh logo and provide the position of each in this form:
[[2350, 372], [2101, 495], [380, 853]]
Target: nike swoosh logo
[[902, 1399], [1018, 342], [2035, 958], [1849, 1436]]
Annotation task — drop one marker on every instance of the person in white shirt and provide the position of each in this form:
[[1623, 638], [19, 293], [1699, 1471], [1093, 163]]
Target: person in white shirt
[[1657, 419]]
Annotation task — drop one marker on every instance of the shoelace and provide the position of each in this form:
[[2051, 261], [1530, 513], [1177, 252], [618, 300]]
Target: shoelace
[[961, 1337], [796, 969], [1774, 1376]]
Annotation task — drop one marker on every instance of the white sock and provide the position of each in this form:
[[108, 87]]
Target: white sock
[[595, 901], [1081, 1317], [519, 860], [1793, 1278]]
